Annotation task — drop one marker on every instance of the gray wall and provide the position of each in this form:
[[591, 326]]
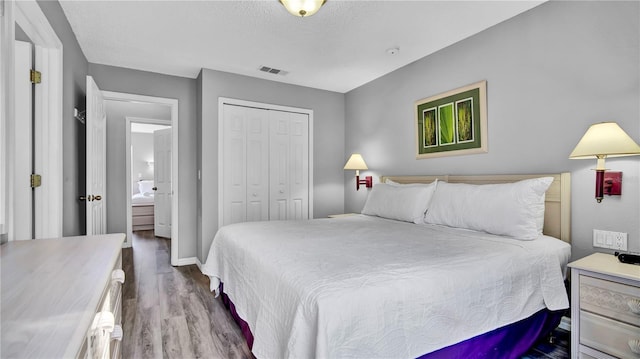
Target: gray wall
[[116, 193], [141, 154], [118, 79], [75, 69], [551, 72], [328, 136]]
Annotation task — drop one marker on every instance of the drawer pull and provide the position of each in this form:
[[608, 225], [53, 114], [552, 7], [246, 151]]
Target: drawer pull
[[103, 321], [634, 344], [117, 333], [634, 305], [117, 276]]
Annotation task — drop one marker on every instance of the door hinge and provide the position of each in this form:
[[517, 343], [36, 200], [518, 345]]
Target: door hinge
[[36, 180], [35, 76]]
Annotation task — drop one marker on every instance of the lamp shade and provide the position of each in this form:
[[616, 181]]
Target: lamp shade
[[355, 162], [605, 139], [302, 8]]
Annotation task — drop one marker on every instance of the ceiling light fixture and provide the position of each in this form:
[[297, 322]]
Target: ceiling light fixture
[[302, 8]]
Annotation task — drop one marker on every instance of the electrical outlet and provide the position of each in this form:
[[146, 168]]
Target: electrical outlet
[[619, 241], [610, 240]]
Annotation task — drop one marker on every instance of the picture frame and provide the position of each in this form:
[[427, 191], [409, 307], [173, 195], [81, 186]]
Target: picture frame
[[452, 123]]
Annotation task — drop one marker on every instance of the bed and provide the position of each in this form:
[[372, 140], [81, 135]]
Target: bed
[[473, 277], [142, 205]]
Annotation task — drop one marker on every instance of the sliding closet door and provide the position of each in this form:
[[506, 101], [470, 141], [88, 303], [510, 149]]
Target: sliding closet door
[[289, 166], [245, 165]]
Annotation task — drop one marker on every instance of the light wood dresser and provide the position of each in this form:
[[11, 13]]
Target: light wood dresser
[[142, 217], [605, 308], [62, 298]]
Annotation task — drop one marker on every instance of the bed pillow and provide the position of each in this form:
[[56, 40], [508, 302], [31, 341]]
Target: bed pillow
[[511, 209], [145, 186], [403, 203]]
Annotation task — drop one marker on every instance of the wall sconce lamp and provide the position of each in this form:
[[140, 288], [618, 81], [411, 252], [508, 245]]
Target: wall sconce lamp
[[604, 140], [356, 162], [302, 8]]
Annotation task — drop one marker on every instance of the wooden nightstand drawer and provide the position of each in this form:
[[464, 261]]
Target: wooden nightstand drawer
[[608, 336], [610, 299]]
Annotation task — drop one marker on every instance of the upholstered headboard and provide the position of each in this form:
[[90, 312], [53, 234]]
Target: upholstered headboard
[[557, 215]]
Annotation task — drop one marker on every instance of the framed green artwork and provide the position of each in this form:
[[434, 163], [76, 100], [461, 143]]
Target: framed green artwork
[[452, 123]]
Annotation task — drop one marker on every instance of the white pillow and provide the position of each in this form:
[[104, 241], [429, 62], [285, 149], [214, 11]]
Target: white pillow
[[145, 186], [403, 203], [510, 209]]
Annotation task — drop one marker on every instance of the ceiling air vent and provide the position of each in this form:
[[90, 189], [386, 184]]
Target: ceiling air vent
[[273, 71]]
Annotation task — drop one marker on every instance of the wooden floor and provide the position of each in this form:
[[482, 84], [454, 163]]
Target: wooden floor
[[169, 312]]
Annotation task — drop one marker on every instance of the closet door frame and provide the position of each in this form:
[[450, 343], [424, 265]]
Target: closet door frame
[[222, 101]]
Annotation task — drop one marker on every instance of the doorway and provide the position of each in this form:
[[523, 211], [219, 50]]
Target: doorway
[[149, 205], [171, 105]]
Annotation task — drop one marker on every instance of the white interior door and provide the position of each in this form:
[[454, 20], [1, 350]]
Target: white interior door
[[289, 166], [279, 162], [162, 182], [257, 164], [299, 166], [96, 125], [22, 144], [245, 152]]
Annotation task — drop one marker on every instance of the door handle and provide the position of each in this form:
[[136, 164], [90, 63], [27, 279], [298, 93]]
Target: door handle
[[90, 198], [155, 188]]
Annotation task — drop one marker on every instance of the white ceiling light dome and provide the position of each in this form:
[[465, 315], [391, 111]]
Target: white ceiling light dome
[[302, 8]]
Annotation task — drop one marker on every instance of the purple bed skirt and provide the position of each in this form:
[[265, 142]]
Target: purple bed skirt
[[510, 341]]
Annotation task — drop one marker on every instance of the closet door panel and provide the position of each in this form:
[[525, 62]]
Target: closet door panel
[[257, 165], [299, 167], [234, 167], [279, 162]]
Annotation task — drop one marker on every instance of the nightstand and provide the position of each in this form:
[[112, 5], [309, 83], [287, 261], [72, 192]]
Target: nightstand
[[342, 215], [605, 308]]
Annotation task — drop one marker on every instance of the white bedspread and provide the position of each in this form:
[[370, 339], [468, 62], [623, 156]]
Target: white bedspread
[[139, 198], [368, 287]]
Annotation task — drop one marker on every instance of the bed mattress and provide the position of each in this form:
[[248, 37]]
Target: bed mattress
[[365, 286]]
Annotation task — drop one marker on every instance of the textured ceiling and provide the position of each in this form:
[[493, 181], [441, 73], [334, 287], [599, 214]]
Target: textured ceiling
[[340, 48]]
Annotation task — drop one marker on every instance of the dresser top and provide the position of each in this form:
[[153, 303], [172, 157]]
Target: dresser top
[[50, 292], [607, 264]]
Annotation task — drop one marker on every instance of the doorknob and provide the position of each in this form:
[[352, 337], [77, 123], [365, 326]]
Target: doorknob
[[155, 188], [90, 198]]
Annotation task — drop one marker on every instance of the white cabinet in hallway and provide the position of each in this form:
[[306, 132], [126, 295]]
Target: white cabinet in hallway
[[265, 164]]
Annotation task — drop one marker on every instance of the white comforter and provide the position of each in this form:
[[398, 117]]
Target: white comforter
[[142, 198], [373, 288]]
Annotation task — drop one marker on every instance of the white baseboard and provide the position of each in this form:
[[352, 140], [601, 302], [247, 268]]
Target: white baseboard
[[187, 261], [565, 323], [199, 264]]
